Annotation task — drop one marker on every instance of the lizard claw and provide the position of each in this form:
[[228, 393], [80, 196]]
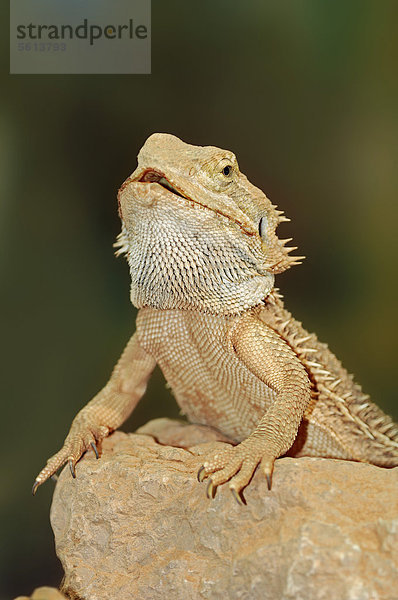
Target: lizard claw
[[237, 496], [37, 483], [35, 486], [201, 474], [81, 437], [211, 490], [236, 464], [95, 450], [72, 468], [267, 467]]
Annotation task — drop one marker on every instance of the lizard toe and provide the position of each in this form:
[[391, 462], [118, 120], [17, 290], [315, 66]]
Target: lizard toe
[[75, 446], [267, 467], [243, 475], [216, 462], [223, 475], [237, 465]]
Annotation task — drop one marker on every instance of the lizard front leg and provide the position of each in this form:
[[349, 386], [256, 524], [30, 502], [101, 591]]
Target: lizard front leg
[[272, 360], [106, 411]]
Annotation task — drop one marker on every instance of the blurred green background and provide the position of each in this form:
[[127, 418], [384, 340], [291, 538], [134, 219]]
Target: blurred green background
[[306, 94]]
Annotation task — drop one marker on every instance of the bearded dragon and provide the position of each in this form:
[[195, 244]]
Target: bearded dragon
[[203, 253]]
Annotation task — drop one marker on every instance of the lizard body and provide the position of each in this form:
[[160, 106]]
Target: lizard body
[[203, 253]]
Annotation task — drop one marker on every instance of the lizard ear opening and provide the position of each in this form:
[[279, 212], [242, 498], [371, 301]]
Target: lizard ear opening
[[262, 227]]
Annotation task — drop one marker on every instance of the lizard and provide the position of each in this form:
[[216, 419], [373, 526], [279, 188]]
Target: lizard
[[203, 252]]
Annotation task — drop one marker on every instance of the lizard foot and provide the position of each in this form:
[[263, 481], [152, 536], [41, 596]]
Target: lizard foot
[[80, 439], [236, 464]]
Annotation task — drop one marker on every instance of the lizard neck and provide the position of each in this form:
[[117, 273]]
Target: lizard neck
[[220, 299]]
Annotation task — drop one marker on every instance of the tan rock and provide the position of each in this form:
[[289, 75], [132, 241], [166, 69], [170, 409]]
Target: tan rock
[[44, 593], [136, 524]]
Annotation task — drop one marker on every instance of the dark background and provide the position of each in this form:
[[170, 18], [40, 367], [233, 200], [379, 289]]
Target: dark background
[[305, 93]]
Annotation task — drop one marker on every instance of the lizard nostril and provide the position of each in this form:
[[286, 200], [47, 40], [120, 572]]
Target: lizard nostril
[[151, 176]]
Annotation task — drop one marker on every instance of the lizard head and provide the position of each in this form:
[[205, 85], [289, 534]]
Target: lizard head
[[197, 234]]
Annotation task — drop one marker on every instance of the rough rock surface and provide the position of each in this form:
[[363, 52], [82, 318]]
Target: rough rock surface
[[136, 524]]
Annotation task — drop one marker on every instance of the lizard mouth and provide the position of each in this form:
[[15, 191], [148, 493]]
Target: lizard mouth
[[152, 176]]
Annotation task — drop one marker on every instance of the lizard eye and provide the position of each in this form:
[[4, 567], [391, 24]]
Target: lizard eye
[[262, 227], [227, 170]]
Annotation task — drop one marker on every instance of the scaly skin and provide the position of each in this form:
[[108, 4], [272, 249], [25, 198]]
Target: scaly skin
[[203, 252]]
